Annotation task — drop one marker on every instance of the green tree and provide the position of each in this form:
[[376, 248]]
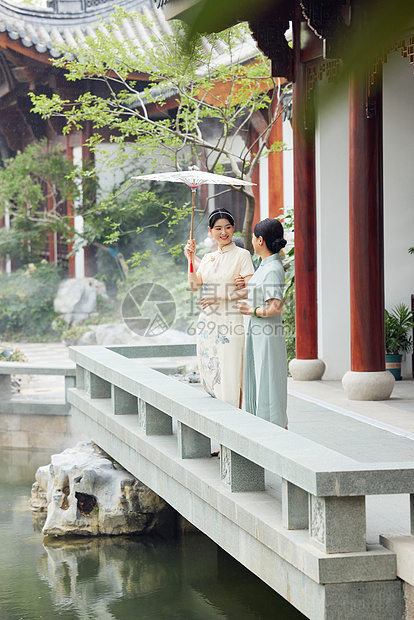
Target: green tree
[[34, 188], [217, 93]]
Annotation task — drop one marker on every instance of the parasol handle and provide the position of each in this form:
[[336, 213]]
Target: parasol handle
[[193, 191]]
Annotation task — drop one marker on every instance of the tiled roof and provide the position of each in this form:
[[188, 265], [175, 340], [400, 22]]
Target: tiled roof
[[70, 21], [67, 21]]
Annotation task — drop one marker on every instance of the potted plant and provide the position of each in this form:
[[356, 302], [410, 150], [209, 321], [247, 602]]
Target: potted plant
[[398, 323]]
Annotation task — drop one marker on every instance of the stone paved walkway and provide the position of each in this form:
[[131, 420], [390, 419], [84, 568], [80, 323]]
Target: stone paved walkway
[[381, 432]]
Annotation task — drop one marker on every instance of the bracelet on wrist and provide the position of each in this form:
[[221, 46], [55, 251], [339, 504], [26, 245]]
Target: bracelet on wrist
[[255, 314]]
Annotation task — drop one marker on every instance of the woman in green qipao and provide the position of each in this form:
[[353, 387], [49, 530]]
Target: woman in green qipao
[[265, 377]]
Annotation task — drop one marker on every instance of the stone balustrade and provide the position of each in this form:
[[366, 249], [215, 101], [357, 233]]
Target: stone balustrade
[[8, 404], [314, 528]]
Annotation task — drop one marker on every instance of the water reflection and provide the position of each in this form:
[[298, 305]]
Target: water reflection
[[126, 577], [147, 574], [118, 578]]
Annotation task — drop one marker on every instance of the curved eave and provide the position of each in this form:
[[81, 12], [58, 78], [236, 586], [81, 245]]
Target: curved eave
[[94, 14], [40, 33], [29, 50]]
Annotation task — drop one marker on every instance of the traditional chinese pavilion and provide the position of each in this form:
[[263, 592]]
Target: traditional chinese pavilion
[[353, 126], [29, 40]]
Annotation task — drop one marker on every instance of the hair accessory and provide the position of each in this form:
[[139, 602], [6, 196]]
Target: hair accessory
[[256, 315], [223, 213]]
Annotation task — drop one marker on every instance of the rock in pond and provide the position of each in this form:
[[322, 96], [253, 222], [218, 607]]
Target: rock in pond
[[86, 493]]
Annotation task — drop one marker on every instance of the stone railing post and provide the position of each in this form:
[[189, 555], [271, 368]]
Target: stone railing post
[[240, 473], [96, 387], [80, 377], [191, 443], [152, 420], [70, 382], [295, 506], [123, 402], [338, 524], [412, 514], [5, 387]]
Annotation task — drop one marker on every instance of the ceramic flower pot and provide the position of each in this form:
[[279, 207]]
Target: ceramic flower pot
[[393, 364]]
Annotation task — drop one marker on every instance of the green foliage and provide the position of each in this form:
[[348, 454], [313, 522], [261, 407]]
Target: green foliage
[[189, 70], [288, 312], [72, 334], [33, 187], [398, 323], [138, 223], [26, 303], [289, 327], [289, 259]]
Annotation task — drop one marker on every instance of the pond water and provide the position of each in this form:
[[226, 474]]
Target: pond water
[[119, 578]]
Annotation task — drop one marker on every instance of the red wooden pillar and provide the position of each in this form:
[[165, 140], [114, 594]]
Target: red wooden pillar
[[305, 223], [366, 229], [306, 366], [368, 379]]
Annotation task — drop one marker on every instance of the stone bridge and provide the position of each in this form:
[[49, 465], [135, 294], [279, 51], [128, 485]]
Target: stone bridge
[[291, 510]]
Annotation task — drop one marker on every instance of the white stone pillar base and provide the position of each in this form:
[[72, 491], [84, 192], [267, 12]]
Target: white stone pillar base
[[306, 370], [368, 385]]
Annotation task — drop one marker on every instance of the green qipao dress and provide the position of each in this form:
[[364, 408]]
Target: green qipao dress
[[265, 379]]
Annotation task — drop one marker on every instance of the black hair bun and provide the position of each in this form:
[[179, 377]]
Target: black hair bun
[[277, 245]]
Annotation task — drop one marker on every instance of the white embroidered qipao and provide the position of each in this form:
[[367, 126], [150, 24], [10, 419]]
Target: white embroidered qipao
[[220, 327]]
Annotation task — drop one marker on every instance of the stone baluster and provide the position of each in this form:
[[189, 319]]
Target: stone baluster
[[123, 402], [80, 377], [240, 473], [152, 420], [70, 382], [338, 524], [295, 506], [412, 514], [5, 387], [191, 443], [96, 387]]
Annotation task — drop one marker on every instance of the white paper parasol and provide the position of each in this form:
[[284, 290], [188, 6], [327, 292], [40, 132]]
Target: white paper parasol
[[193, 178]]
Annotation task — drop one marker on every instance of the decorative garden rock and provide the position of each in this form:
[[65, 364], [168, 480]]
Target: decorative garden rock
[[76, 299], [85, 493]]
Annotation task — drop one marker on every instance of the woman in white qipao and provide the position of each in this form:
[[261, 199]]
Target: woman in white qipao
[[220, 327]]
